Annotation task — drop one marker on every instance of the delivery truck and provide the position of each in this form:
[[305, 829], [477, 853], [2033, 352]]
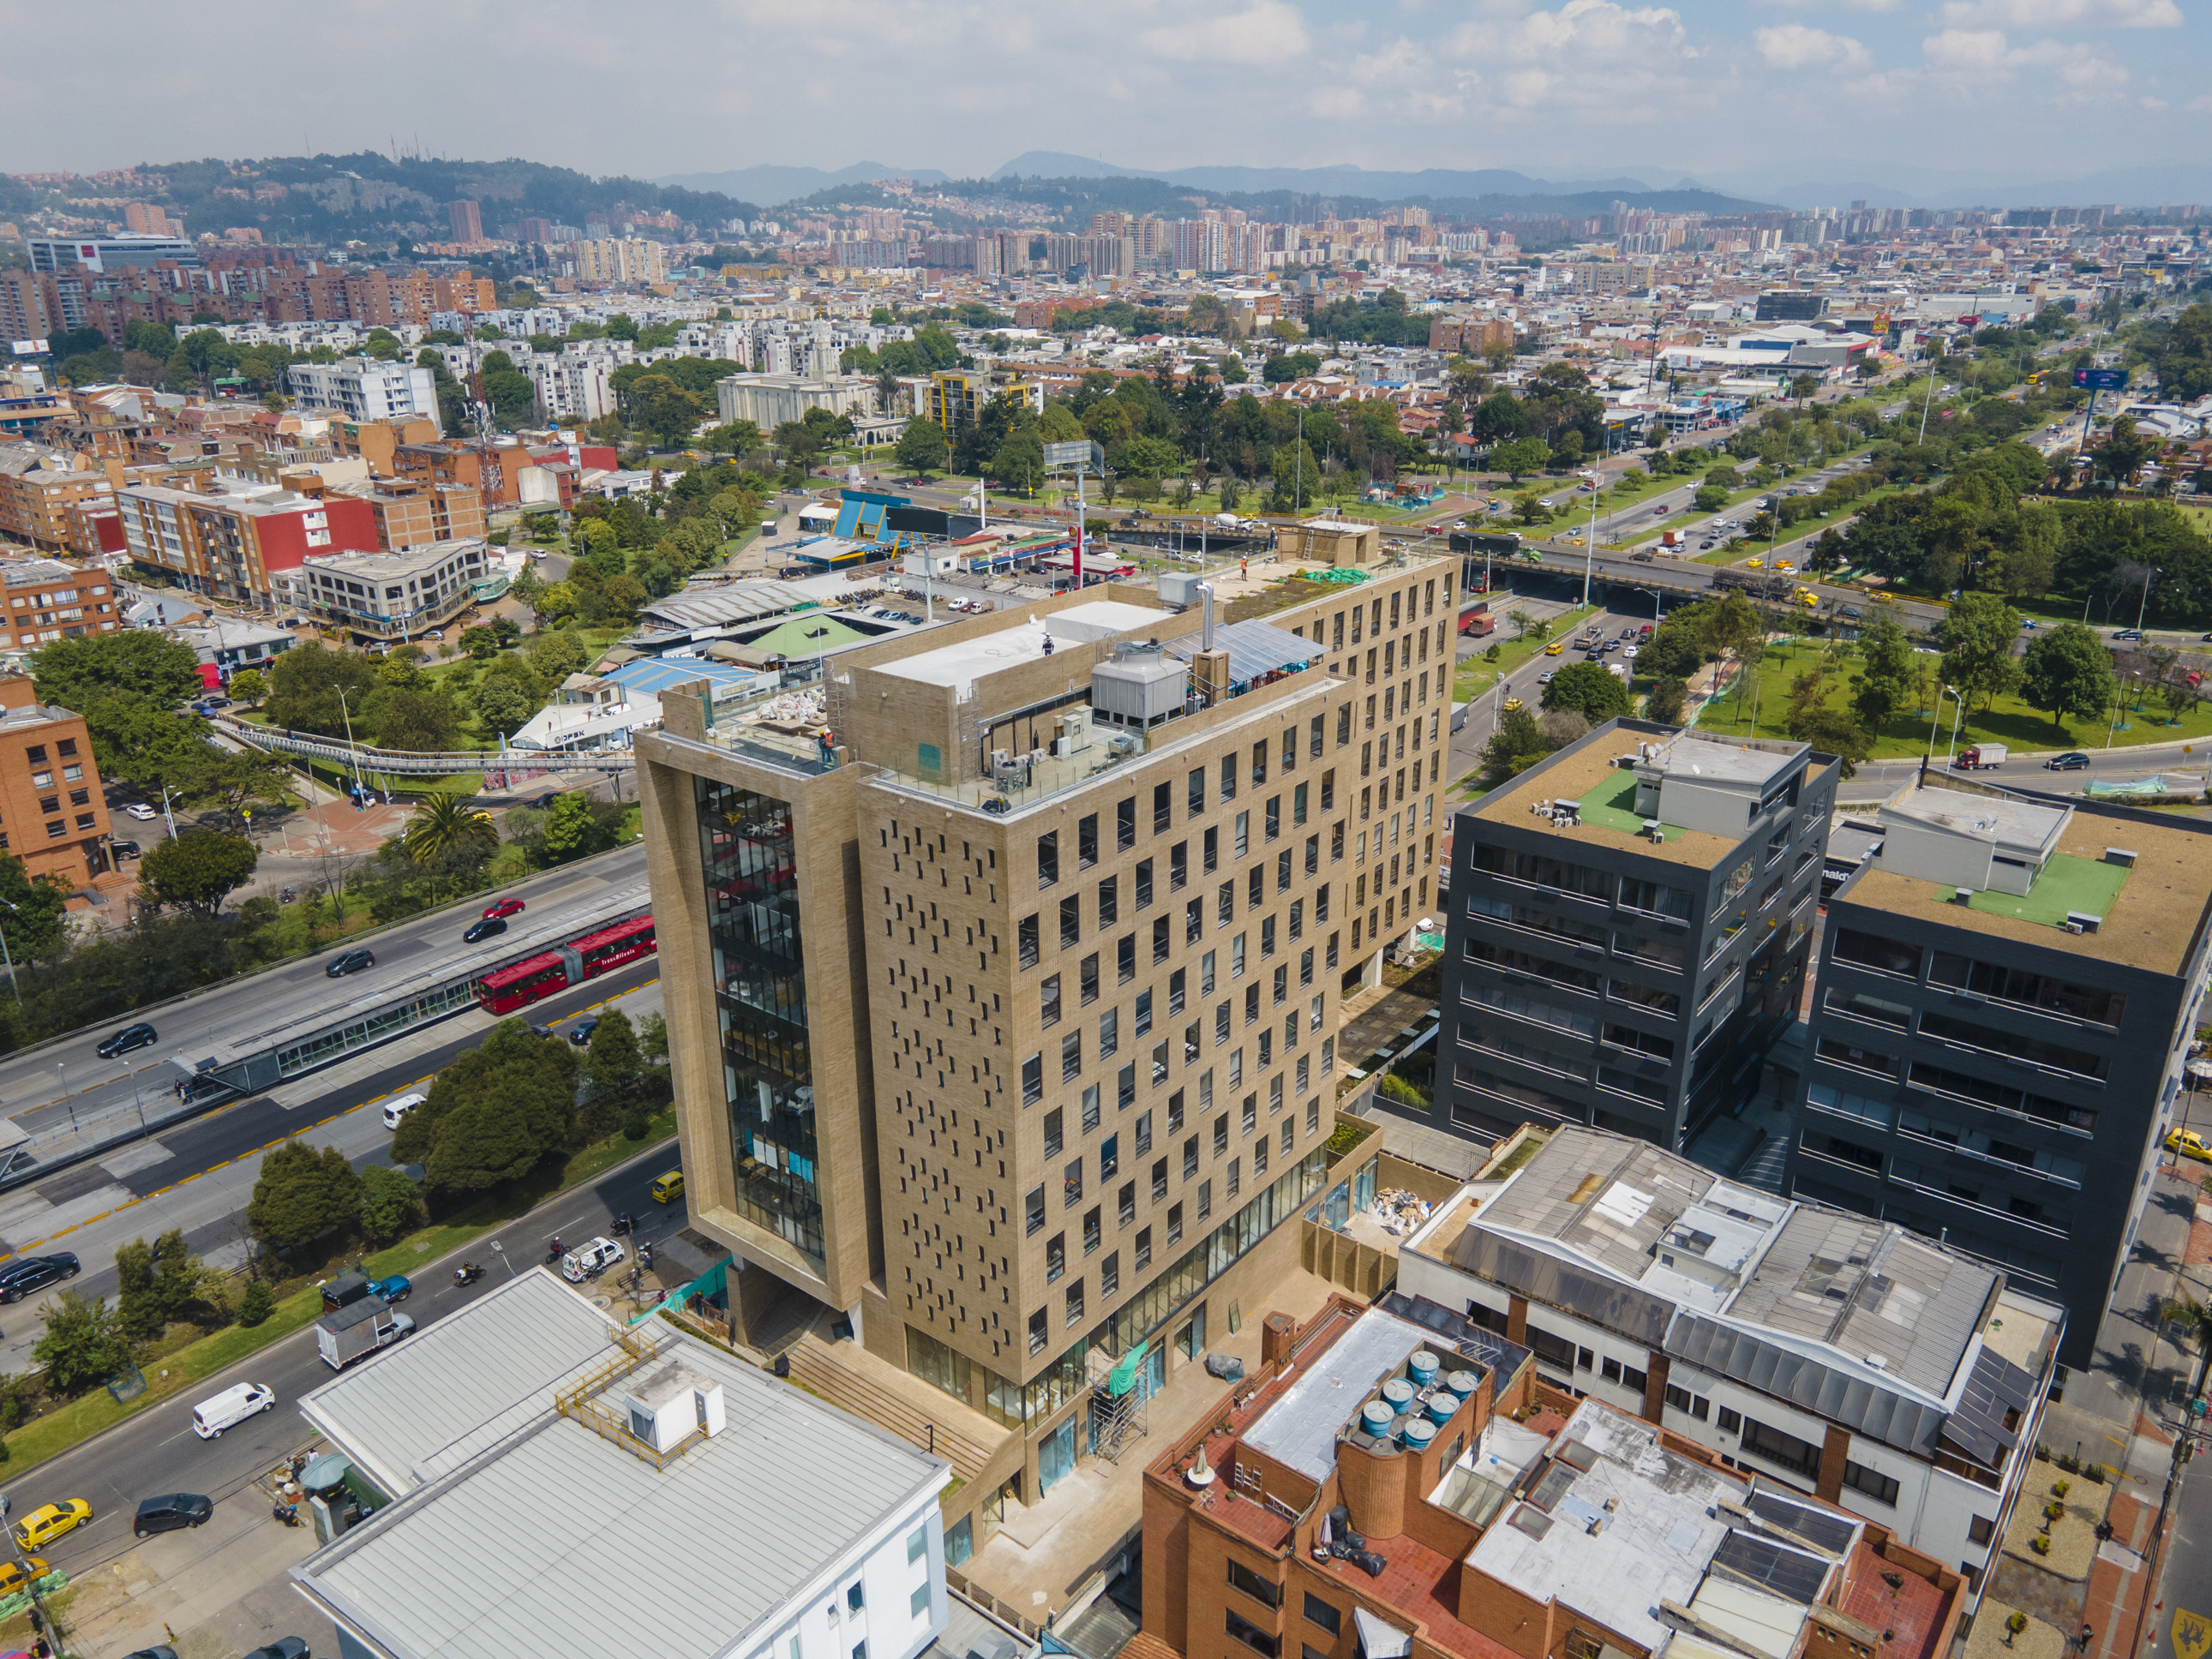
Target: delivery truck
[[362, 1325], [1982, 757]]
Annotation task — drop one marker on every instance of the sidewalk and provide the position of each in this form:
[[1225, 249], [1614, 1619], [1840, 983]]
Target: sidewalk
[[2118, 1413]]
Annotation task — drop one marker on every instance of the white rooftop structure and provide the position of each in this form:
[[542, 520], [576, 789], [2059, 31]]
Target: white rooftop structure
[[1857, 1320], [1964, 839], [962, 664], [1616, 1523], [562, 1471]]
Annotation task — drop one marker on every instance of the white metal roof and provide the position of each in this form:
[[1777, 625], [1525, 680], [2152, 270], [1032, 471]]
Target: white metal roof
[[518, 1553], [462, 1382]]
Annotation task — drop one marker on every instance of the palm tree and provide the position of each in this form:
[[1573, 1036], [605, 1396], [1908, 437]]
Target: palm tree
[[2186, 1311], [444, 825]]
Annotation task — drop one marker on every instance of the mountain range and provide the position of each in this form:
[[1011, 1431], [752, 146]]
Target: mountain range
[[1823, 182]]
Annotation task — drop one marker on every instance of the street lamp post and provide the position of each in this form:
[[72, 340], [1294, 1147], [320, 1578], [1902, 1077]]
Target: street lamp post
[[500, 1251], [8, 959], [68, 1100], [1935, 722], [353, 753]]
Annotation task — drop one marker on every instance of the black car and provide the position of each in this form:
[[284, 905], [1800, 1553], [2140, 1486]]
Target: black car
[[284, 1647], [130, 1037], [124, 849], [2073, 761], [351, 963], [158, 1652], [25, 1274], [487, 927], [581, 1032], [172, 1512]]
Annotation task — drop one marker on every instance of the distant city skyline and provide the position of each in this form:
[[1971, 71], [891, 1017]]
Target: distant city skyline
[[1752, 99]]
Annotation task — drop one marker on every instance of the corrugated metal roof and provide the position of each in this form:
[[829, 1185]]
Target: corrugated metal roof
[[727, 605], [459, 1383], [516, 1552]]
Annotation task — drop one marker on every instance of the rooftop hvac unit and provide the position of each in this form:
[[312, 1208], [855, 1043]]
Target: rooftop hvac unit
[[1070, 733]]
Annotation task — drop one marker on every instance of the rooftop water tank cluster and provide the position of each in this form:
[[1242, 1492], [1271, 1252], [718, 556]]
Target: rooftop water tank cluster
[[1409, 1409]]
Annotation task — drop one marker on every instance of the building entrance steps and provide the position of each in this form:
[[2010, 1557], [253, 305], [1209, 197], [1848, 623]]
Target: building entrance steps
[[847, 1375]]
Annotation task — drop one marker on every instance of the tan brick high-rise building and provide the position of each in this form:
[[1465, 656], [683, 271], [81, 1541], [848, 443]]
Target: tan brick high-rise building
[[1004, 1008]]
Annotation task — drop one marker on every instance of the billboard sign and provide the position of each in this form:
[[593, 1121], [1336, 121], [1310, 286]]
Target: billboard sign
[[30, 348], [2101, 379], [1080, 454]]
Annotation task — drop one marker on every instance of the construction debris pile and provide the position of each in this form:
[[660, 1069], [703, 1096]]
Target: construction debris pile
[[798, 709], [1398, 1212]]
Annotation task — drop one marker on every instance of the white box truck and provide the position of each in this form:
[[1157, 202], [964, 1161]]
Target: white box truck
[[359, 1327], [1982, 757]]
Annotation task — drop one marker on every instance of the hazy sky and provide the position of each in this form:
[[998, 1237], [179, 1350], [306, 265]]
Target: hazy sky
[[2007, 90]]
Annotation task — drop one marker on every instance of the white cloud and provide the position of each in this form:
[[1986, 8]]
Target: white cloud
[[2065, 14], [1630, 61], [1799, 45], [2201, 106], [1841, 5], [1986, 55], [1268, 32]]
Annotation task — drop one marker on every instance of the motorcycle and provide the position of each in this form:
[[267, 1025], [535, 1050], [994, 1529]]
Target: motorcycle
[[284, 897], [554, 1251], [623, 1224], [467, 1274], [288, 1513]]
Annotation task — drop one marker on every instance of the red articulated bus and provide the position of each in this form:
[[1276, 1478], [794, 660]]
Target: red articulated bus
[[611, 947], [517, 985]]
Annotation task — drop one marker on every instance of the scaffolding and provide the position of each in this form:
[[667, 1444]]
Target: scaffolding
[[1121, 1405]]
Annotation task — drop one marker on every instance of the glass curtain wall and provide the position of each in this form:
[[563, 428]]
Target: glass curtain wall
[[760, 994]]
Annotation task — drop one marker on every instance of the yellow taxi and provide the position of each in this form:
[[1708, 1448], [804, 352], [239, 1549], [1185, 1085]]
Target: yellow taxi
[[1574, 541], [13, 1577], [1512, 704], [667, 1188], [1754, 564], [1552, 649], [44, 1524], [1786, 568], [2187, 1143], [1885, 598]]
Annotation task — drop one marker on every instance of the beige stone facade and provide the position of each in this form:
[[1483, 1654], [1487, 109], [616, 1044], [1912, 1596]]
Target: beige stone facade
[[1067, 1048]]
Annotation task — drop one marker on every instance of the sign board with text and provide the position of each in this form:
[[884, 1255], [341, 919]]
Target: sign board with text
[[2101, 379]]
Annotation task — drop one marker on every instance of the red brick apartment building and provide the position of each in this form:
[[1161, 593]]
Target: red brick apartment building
[[51, 816], [1395, 1482], [229, 541], [43, 599]]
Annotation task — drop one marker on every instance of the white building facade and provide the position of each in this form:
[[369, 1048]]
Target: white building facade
[[366, 390], [1749, 1324]]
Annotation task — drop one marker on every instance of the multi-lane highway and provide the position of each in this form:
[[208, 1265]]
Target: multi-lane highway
[[66, 1082], [157, 1451]]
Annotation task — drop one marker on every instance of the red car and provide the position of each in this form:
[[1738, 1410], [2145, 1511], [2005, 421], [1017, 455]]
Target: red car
[[510, 906]]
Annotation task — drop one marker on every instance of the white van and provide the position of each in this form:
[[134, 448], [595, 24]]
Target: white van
[[399, 1106], [230, 1408]]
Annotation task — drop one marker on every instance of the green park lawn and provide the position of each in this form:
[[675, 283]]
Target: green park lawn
[[2009, 721]]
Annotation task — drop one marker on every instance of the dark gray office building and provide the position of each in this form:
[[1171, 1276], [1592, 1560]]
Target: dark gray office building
[[1629, 928], [2005, 996]]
